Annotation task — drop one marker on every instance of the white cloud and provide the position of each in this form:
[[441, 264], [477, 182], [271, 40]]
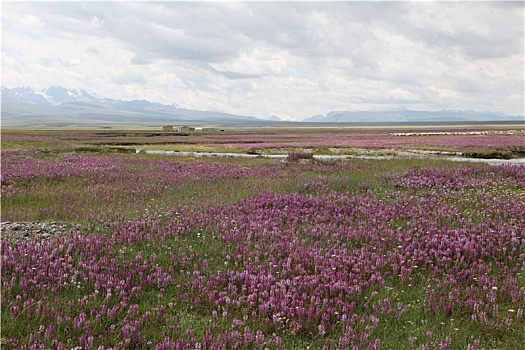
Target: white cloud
[[260, 61], [291, 59]]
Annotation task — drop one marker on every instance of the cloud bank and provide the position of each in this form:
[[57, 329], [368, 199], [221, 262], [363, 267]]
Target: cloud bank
[[291, 59]]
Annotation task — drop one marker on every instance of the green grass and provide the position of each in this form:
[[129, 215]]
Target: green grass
[[40, 199]]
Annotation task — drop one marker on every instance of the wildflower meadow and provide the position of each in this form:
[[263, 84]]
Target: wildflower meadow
[[234, 253]]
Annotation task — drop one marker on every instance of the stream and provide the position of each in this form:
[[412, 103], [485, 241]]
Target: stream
[[520, 161]]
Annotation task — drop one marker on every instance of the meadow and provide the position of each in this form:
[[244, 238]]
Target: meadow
[[175, 252]]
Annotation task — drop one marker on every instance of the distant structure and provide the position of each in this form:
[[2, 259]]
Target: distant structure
[[167, 128], [186, 128]]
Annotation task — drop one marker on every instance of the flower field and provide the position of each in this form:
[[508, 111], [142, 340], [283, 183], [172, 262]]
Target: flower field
[[508, 142], [178, 253]]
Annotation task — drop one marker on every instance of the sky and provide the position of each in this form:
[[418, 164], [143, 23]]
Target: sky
[[289, 59]]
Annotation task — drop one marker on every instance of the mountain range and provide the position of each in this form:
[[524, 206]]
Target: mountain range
[[57, 106], [403, 115]]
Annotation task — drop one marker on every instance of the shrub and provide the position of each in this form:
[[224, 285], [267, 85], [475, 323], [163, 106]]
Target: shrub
[[300, 155]]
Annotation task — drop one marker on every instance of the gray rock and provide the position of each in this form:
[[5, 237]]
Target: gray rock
[[34, 229]]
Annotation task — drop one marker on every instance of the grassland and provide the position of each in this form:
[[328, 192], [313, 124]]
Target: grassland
[[226, 253], [482, 141]]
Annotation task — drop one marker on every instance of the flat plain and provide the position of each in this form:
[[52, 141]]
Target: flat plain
[[165, 251]]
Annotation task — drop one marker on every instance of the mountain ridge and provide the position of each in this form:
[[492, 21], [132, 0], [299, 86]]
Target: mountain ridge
[[403, 115], [24, 106], [56, 95]]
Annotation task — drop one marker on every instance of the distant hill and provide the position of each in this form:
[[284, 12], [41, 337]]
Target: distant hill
[[409, 116], [58, 107]]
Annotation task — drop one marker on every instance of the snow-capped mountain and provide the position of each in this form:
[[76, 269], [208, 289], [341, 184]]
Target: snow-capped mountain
[[54, 95], [57, 95], [23, 94], [58, 106]]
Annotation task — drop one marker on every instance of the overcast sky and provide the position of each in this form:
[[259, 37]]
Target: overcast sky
[[290, 59]]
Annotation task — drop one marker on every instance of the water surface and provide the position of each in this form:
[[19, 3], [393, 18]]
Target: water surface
[[337, 156]]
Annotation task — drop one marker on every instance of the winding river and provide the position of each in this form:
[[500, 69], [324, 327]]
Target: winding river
[[520, 161]]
